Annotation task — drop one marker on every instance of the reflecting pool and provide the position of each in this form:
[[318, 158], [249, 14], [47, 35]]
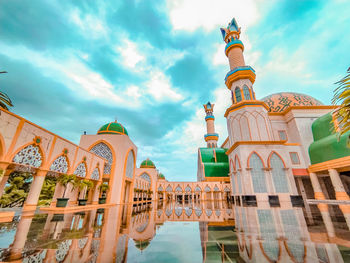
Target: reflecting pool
[[181, 232]]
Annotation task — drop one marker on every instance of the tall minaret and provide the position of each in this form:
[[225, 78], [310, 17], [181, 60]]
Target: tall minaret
[[211, 137], [240, 78], [247, 118]]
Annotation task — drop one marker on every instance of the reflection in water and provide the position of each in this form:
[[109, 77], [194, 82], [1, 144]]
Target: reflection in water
[[180, 232]]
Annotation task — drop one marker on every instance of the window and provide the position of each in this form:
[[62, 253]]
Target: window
[[238, 94], [232, 97], [282, 135], [279, 176], [258, 174], [294, 157], [246, 93]]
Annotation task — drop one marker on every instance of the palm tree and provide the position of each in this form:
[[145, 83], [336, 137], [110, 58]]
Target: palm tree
[[4, 99], [342, 96]]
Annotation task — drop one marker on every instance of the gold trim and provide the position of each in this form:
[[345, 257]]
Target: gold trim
[[236, 144]]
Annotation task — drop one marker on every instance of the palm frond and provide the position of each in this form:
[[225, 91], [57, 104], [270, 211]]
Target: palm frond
[[5, 101]]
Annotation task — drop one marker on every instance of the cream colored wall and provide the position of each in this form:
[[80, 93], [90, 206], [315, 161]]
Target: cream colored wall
[[153, 173], [120, 144]]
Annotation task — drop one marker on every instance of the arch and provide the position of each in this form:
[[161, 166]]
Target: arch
[[244, 122], [232, 166], [105, 150], [257, 173], [216, 188], [178, 189], [269, 159], [238, 94], [198, 211], [226, 189], [169, 189], [246, 93], [250, 155], [238, 173], [60, 164], [95, 175], [129, 164], [188, 189], [146, 176], [160, 188], [81, 169], [30, 154], [207, 189], [188, 211], [278, 171], [237, 162], [198, 189], [178, 211]]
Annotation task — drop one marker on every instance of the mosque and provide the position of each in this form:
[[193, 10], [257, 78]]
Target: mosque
[[279, 149]]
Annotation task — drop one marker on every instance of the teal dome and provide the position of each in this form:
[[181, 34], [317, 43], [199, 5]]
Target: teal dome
[[112, 128]]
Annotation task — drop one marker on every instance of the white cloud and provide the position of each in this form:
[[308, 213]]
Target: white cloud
[[160, 89], [130, 54], [191, 15]]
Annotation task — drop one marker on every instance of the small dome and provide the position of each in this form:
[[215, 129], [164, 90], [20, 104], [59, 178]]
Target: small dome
[[147, 164], [112, 128], [161, 176], [279, 102]]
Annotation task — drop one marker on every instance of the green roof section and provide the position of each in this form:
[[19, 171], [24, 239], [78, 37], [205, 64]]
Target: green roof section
[[112, 128], [147, 164], [327, 146], [215, 162], [160, 175]]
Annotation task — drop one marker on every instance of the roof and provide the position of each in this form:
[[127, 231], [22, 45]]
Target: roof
[[327, 146], [215, 162], [279, 102], [112, 128], [147, 164]]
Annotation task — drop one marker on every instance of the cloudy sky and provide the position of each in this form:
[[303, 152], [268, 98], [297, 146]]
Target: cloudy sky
[[76, 65]]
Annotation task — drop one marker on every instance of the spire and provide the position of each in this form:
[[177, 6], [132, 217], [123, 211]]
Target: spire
[[211, 137]]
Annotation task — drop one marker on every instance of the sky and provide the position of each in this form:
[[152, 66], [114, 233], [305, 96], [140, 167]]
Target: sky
[[76, 65]]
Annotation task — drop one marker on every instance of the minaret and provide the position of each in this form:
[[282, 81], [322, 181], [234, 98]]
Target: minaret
[[211, 137], [247, 118], [241, 77]]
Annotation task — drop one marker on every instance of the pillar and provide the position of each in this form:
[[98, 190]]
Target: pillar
[[34, 192], [339, 189], [317, 187], [4, 179], [327, 219], [20, 237], [96, 193]]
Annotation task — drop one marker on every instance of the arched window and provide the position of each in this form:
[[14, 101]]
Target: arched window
[[101, 149], [30, 156], [268, 234], [169, 189], [246, 93], [258, 174], [80, 170], [146, 177], [130, 165], [188, 189], [178, 189], [238, 94], [95, 174], [60, 165], [239, 179], [278, 174]]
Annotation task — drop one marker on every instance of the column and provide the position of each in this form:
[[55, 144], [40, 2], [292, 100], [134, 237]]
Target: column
[[303, 194], [20, 237], [340, 193], [34, 192], [96, 193], [327, 219], [211, 195], [317, 187], [4, 179]]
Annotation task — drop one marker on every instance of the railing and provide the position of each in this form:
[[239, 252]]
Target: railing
[[17, 203]]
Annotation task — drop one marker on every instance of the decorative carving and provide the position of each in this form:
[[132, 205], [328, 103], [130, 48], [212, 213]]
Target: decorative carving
[[82, 242], [62, 250], [80, 170], [95, 174], [102, 150], [30, 156], [36, 258], [60, 165]]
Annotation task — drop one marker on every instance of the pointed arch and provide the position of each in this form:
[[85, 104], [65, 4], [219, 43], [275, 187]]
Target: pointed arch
[[269, 159], [169, 188], [60, 164], [95, 175], [2, 147], [81, 169], [178, 188], [279, 176], [246, 93], [129, 164], [250, 155], [188, 189], [105, 150], [30, 154], [238, 94], [237, 162]]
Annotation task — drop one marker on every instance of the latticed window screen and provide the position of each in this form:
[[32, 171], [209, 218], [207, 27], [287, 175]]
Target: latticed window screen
[[268, 234], [95, 174], [238, 94], [29, 155], [258, 174], [198, 189], [169, 189], [188, 189], [160, 188], [80, 170], [292, 234], [207, 189], [102, 150], [60, 165], [130, 165], [246, 93], [178, 189], [279, 176]]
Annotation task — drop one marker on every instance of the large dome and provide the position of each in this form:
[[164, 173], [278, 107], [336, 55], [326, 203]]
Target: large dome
[[112, 128], [279, 102], [147, 164]]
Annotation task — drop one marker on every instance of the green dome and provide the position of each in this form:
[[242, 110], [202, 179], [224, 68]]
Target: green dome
[[147, 164], [112, 128], [160, 175]]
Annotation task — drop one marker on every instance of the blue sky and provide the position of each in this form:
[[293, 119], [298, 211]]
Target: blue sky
[[76, 65]]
